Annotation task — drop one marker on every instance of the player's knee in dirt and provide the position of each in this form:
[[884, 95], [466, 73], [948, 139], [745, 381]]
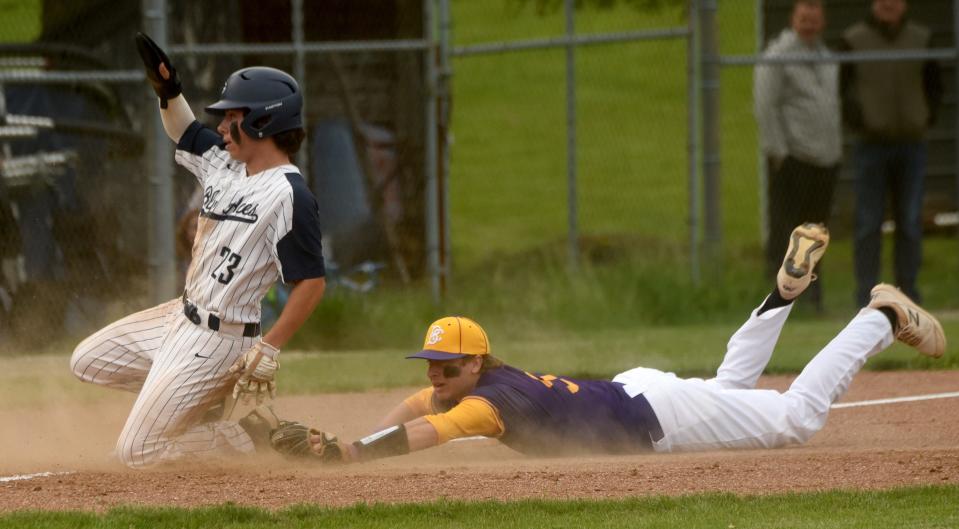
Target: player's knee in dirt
[[133, 452], [80, 362]]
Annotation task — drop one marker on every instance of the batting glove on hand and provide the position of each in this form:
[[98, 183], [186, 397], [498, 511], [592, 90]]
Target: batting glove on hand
[[160, 71], [256, 370]]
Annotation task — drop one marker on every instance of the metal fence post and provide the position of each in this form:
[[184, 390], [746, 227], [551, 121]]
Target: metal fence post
[[709, 49], [445, 74], [299, 72], [161, 260], [573, 235], [692, 140], [432, 189], [762, 167], [955, 45]]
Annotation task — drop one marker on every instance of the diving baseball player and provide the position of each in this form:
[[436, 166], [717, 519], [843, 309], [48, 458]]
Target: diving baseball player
[[473, 393], [258, 223]]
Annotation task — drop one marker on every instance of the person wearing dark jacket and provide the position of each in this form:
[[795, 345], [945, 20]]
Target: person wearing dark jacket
[[890, 105]]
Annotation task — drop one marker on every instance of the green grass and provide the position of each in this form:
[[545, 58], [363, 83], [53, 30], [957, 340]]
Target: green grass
[[508, 182], [908, 508], [20, 21], [626, 292], [508, 170], [690, 350]]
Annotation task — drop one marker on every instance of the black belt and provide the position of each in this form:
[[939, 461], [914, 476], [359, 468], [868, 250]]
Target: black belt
[[250, 330], [651, 422], [641, 418]]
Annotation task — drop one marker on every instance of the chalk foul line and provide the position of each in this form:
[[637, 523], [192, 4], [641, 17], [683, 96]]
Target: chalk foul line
[[20, 477], [914, 398]]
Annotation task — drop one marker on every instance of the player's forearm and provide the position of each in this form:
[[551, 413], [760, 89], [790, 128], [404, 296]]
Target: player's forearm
[[421, 434], [417, 434], [398, 415], [303, 299], [176, 117]]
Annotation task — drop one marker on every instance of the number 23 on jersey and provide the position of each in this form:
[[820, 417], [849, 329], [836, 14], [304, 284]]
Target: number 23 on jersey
[[224, 274]]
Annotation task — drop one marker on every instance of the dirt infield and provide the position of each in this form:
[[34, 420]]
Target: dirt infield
[[870, 447]]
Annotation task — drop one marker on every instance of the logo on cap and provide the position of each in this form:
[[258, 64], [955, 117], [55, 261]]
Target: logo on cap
[[453, 337], [436, 334]]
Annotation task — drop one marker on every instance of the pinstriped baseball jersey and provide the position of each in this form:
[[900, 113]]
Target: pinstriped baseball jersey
[[252, 229]]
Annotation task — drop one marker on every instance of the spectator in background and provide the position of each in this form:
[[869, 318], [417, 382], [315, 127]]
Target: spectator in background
[[890, 105], [797, 108]]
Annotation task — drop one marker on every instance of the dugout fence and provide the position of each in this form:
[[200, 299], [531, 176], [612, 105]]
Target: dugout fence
[[586, 117], [369, 75]]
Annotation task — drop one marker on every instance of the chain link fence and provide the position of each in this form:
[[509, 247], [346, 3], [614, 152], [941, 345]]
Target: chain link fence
[[570, 128], [94, 215], [361, 68], [442, 134], [602, 147], [71, 220]]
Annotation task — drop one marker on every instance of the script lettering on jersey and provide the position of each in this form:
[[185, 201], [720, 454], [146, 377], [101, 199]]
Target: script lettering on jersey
[[239, 210], [210, 196]]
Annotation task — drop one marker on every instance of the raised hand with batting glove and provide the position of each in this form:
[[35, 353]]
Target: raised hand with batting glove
[[257, 373], [160, 71]]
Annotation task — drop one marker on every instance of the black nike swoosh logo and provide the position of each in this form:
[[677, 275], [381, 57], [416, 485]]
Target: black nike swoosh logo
[[198, 355]]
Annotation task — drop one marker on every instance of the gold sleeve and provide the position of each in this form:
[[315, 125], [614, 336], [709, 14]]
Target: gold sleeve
[[421, 402], [472, 416]]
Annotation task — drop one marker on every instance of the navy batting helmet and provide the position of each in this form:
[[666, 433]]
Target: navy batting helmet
[[271, 97]]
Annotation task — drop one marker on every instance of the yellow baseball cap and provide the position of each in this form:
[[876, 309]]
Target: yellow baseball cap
[[453, 337]]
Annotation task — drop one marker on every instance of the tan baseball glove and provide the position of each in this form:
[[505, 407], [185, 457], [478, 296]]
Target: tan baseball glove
[[292, 439]]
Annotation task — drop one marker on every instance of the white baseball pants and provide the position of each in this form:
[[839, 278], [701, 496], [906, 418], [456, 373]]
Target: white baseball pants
[[727, 412], [179, 369]]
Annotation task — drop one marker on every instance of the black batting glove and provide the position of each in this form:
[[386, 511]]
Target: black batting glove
[[153, 56]]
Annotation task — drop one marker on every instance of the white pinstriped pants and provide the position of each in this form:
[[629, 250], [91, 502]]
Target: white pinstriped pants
[[179, 370], [727, 412]]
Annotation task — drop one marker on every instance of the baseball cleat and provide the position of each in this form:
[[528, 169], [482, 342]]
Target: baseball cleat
[[806, 246], [917, 328]]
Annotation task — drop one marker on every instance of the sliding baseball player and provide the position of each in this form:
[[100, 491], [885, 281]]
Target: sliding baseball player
[[473, 393], [258, 223]]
